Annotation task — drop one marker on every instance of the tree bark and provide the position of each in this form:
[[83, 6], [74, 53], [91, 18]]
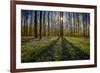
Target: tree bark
[[44, 26], [35, 25], [40, 24], [61, 24], [48, 25]]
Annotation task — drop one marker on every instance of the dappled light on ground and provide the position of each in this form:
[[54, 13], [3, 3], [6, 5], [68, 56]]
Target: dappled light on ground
[[55, 49]]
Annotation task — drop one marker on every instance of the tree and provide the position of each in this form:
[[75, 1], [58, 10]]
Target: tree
[[61, 24], [26, 17], [22, 24], [44, 25], [88, 24], [40, 24], [48, 24], [78, 24], [35, 25], [31, 23], [71, 24], [84, 25], [74, 22]]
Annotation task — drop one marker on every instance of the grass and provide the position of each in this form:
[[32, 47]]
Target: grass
[[55, 49], [31, 50], [82, 43]]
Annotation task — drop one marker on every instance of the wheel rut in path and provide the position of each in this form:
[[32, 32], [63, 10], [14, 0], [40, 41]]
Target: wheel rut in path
[[70, 51]]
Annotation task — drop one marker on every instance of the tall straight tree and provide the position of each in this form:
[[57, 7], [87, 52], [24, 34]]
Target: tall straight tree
[[22, 24], [74, 24], [51, 20], [35, 25], [26, 20], [71, 23], [28, 24], [81, 24], [48, 24], [68, 24], [78, 25], [44, 26], [61, 24], [88, 24], [40, 24], [84, 23], [33, 15], [31, 23]]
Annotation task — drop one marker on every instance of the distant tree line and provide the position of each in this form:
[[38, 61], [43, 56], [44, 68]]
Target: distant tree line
[[40, 24]]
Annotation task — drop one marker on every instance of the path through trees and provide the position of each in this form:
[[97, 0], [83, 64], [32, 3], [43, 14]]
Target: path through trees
[[59, 49], [50, 35]]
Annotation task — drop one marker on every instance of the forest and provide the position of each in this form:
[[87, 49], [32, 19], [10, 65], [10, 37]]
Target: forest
[[54, 36]]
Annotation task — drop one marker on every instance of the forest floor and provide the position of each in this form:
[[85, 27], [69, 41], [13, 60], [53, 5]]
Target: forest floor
[[55, 49]]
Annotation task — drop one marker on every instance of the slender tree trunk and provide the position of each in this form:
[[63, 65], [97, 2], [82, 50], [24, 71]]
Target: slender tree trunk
[[84, 23], [61, 24], [44, 26], [74, 23], [78, 26], [48, 25], [30, 27], [26, 26], [70, 23], [88, 24], [71, 15], [35, 25], [22, 25], [40, 24]]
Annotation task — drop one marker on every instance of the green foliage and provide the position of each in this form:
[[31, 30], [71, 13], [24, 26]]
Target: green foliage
[[82, 42], [33, 48], [54, 36], [55, 49]]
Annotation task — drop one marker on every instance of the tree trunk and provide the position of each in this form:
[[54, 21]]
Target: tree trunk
[[44, 26], [35, 25], [78, 26], [74, 23], [84, 23], [48, 25], [26, 26], [61, 24], [31, 24], [40, 24]]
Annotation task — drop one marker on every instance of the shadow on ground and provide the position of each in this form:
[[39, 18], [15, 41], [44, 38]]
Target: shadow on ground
[[59, 49]]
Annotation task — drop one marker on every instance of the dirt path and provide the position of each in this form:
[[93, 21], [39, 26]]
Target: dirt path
[[47, 52], [59, 49], [71, 52]]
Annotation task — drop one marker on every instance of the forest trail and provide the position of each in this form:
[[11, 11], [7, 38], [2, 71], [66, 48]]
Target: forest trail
[[62, 49], [54, 36], [59, 49], [72, 52]]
